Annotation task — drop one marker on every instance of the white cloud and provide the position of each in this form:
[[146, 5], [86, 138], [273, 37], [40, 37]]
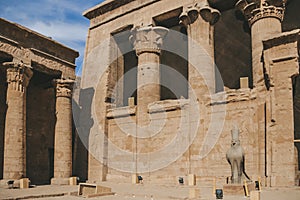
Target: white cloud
[[61, 20], [61, 31]]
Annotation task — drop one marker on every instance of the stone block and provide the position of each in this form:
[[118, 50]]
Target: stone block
[[255, 195], [93, 190], [244, 82], [60, 181], [73, 181], [234, 189], [131, 101], [192, 179], [238, 189], [134, 179], [24, 183]]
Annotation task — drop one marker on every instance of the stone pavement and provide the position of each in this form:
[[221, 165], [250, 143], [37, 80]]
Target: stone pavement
[[125, 191]]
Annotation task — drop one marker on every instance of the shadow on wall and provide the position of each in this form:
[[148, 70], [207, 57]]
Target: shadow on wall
[[40, 128], [82, 125], [3, 109], [232, 51], [296, 99]]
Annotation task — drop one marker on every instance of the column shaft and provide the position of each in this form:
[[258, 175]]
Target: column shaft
[[63, 132], [265, 21], [262, 29], [18, 76], [147, 42], [199, 22], [148, 81]]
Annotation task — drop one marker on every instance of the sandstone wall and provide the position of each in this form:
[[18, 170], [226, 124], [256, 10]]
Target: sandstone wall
[[251, 110], [205, 157]]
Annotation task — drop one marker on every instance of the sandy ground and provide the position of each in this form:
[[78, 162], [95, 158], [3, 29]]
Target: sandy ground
[[125, 191]]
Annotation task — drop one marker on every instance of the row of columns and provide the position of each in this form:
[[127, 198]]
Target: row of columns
[[18, 77], [264, 19], [148, 42], [148, 45]]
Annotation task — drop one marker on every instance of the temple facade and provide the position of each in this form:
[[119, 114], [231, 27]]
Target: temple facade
[[36, 82], [165, 82], [163, 85]]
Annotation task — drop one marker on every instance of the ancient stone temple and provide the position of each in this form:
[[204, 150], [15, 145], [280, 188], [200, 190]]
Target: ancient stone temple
[[36, 82], [164, 82]]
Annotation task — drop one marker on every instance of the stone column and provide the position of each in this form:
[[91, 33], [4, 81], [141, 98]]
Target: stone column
[[18, 76], [199, 21], [63, 132], [147, 43], [264, 18]]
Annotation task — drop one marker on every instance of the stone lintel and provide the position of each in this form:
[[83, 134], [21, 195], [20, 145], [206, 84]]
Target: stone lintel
[[148, 39], [167, 105], [231, 96], [121, 112], [282, 38], [104, 7], [107, 17], [51, 57]]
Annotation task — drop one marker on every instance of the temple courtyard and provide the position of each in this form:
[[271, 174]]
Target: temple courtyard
[[140, 191]]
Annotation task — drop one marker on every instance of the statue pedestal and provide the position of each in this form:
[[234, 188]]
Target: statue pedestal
[[237, 189]]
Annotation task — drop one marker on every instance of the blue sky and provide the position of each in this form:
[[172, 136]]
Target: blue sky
[[60, 19]]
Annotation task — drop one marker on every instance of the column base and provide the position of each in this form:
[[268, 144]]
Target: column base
[[4, 183], [60, 181]]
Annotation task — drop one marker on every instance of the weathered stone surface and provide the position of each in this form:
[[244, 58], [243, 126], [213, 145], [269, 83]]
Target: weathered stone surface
[[18, 76], [183, 135], [63, 130], [253, 109], [93, 190], [29, 62]]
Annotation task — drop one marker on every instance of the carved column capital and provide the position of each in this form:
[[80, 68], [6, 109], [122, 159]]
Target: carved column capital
[[148, 39], [191, 13], [64, 87], [265, 8], [18, 75]]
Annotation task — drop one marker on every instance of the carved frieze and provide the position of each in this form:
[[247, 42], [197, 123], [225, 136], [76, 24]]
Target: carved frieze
[[148, 39]]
